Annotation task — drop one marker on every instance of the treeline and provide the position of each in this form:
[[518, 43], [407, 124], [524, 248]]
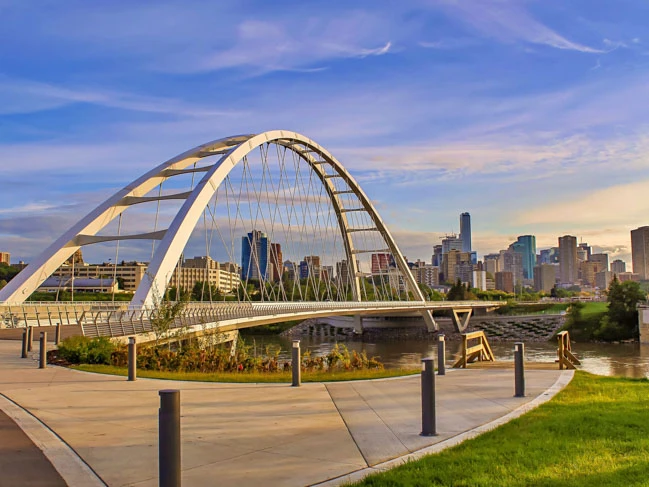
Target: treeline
[[618, 322]]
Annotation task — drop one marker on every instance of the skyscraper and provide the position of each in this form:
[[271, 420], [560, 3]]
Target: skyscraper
[[602, 259], [276, 262], [618, 266], [255, 256], [526, 246], [568, 264], [465, 231], [640, 251]]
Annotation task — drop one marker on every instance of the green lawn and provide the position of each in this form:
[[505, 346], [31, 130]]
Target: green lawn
[[248, 377], [593, 433]]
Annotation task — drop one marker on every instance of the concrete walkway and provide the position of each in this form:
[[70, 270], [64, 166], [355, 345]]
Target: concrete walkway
[[249, 434]]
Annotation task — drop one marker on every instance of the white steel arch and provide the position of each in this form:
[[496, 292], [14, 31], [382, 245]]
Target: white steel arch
[[173, 240]]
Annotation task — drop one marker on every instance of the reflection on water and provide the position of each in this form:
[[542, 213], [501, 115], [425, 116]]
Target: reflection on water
[[627, 359]]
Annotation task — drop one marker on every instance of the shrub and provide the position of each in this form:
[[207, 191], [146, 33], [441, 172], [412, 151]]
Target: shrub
[[84, 350]]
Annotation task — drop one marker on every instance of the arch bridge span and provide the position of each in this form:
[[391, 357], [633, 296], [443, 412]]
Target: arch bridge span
[[294, 175]]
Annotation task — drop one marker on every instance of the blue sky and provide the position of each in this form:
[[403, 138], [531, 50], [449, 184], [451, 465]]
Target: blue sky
[[531, 115]]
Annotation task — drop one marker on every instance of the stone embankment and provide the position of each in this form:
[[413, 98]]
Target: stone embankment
[[528, 328]]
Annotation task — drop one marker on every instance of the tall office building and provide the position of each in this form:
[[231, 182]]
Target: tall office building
[[512, 262], [602, 259], [255, 256], [451, 242], [276, 262], [583, 251], [544, 277], [492, 263], [310, 267], [465, 231], [640, 251], [549, 256], [618, 266], [505, 282], [5, 258], [568, 264], [437, 256], [380, 263], [526, 246]]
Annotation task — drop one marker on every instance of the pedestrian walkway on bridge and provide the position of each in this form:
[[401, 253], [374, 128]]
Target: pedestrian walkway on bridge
[[249, 434]]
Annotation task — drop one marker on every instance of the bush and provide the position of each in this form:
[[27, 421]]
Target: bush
[[84, 350]]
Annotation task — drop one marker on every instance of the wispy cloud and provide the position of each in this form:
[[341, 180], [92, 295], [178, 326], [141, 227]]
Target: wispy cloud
[[276, 45], [450, 43], [27, 96], [508, 21]]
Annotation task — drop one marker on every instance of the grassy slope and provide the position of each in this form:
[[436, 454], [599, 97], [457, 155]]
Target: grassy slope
[[594, 433], [254, 377]]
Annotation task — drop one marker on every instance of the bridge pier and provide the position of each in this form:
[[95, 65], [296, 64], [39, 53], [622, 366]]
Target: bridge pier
[[358, 324], [431, 324], [461, 322]]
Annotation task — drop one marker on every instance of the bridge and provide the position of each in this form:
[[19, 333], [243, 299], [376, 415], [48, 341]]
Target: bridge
[[248, 202]]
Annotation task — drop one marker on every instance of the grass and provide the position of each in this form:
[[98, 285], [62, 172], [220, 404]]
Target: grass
[[251, 377], [594, 432]]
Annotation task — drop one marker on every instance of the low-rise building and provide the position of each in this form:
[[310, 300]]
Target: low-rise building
[[79, 285]]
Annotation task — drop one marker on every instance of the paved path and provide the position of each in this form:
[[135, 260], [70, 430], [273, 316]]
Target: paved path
[[251, 434]]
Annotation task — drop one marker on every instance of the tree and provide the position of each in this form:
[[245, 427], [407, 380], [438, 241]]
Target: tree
[[457, 292], [621, 320]]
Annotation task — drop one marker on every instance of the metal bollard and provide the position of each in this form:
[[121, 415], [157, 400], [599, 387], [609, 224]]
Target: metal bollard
[[169, 438], [428, 427], [295, 364], [57, 336], [30, 338], [132, 359], [519, 369], [441, 354], [24, 351], [43, 351]]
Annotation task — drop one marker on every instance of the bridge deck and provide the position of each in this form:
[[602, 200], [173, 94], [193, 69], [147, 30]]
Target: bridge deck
[[120, 319]]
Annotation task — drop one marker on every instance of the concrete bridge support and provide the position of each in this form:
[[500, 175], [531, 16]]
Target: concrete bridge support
[[358, 324], [461, 322]]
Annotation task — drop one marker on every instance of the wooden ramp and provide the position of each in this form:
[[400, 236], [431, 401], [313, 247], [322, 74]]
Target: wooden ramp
[[566, 359], [480, 351]]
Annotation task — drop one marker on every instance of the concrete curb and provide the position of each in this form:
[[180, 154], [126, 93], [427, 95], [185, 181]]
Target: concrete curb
[[73, 470], [563, 380]]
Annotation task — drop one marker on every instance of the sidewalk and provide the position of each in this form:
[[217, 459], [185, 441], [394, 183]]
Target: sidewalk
[[253, 434]]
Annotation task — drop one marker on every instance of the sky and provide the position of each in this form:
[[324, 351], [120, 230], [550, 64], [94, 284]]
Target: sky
[[530, 115]]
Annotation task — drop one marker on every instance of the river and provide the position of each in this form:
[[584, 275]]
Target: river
[[626, 359]]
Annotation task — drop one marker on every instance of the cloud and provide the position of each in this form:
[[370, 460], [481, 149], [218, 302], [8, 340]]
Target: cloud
[[26, 96], [450, 43], [508, 21], [603, 207], [284, 45]]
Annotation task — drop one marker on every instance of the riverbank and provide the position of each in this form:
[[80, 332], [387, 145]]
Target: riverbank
[[594, 432]]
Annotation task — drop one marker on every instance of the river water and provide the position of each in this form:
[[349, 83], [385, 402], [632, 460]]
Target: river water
[[626, 359]]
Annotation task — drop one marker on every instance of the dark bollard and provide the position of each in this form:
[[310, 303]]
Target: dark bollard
[[428, 427], [295, 364], [57, 337], [43, 351], [132, 359], [24, 351], [169, 438], [441, 354], [519, 369], [30, 337]]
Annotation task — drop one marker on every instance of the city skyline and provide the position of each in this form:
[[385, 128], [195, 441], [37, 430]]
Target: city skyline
[[519, 109]]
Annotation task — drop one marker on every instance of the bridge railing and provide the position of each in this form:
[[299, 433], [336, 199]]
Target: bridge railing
[[116, 319]]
